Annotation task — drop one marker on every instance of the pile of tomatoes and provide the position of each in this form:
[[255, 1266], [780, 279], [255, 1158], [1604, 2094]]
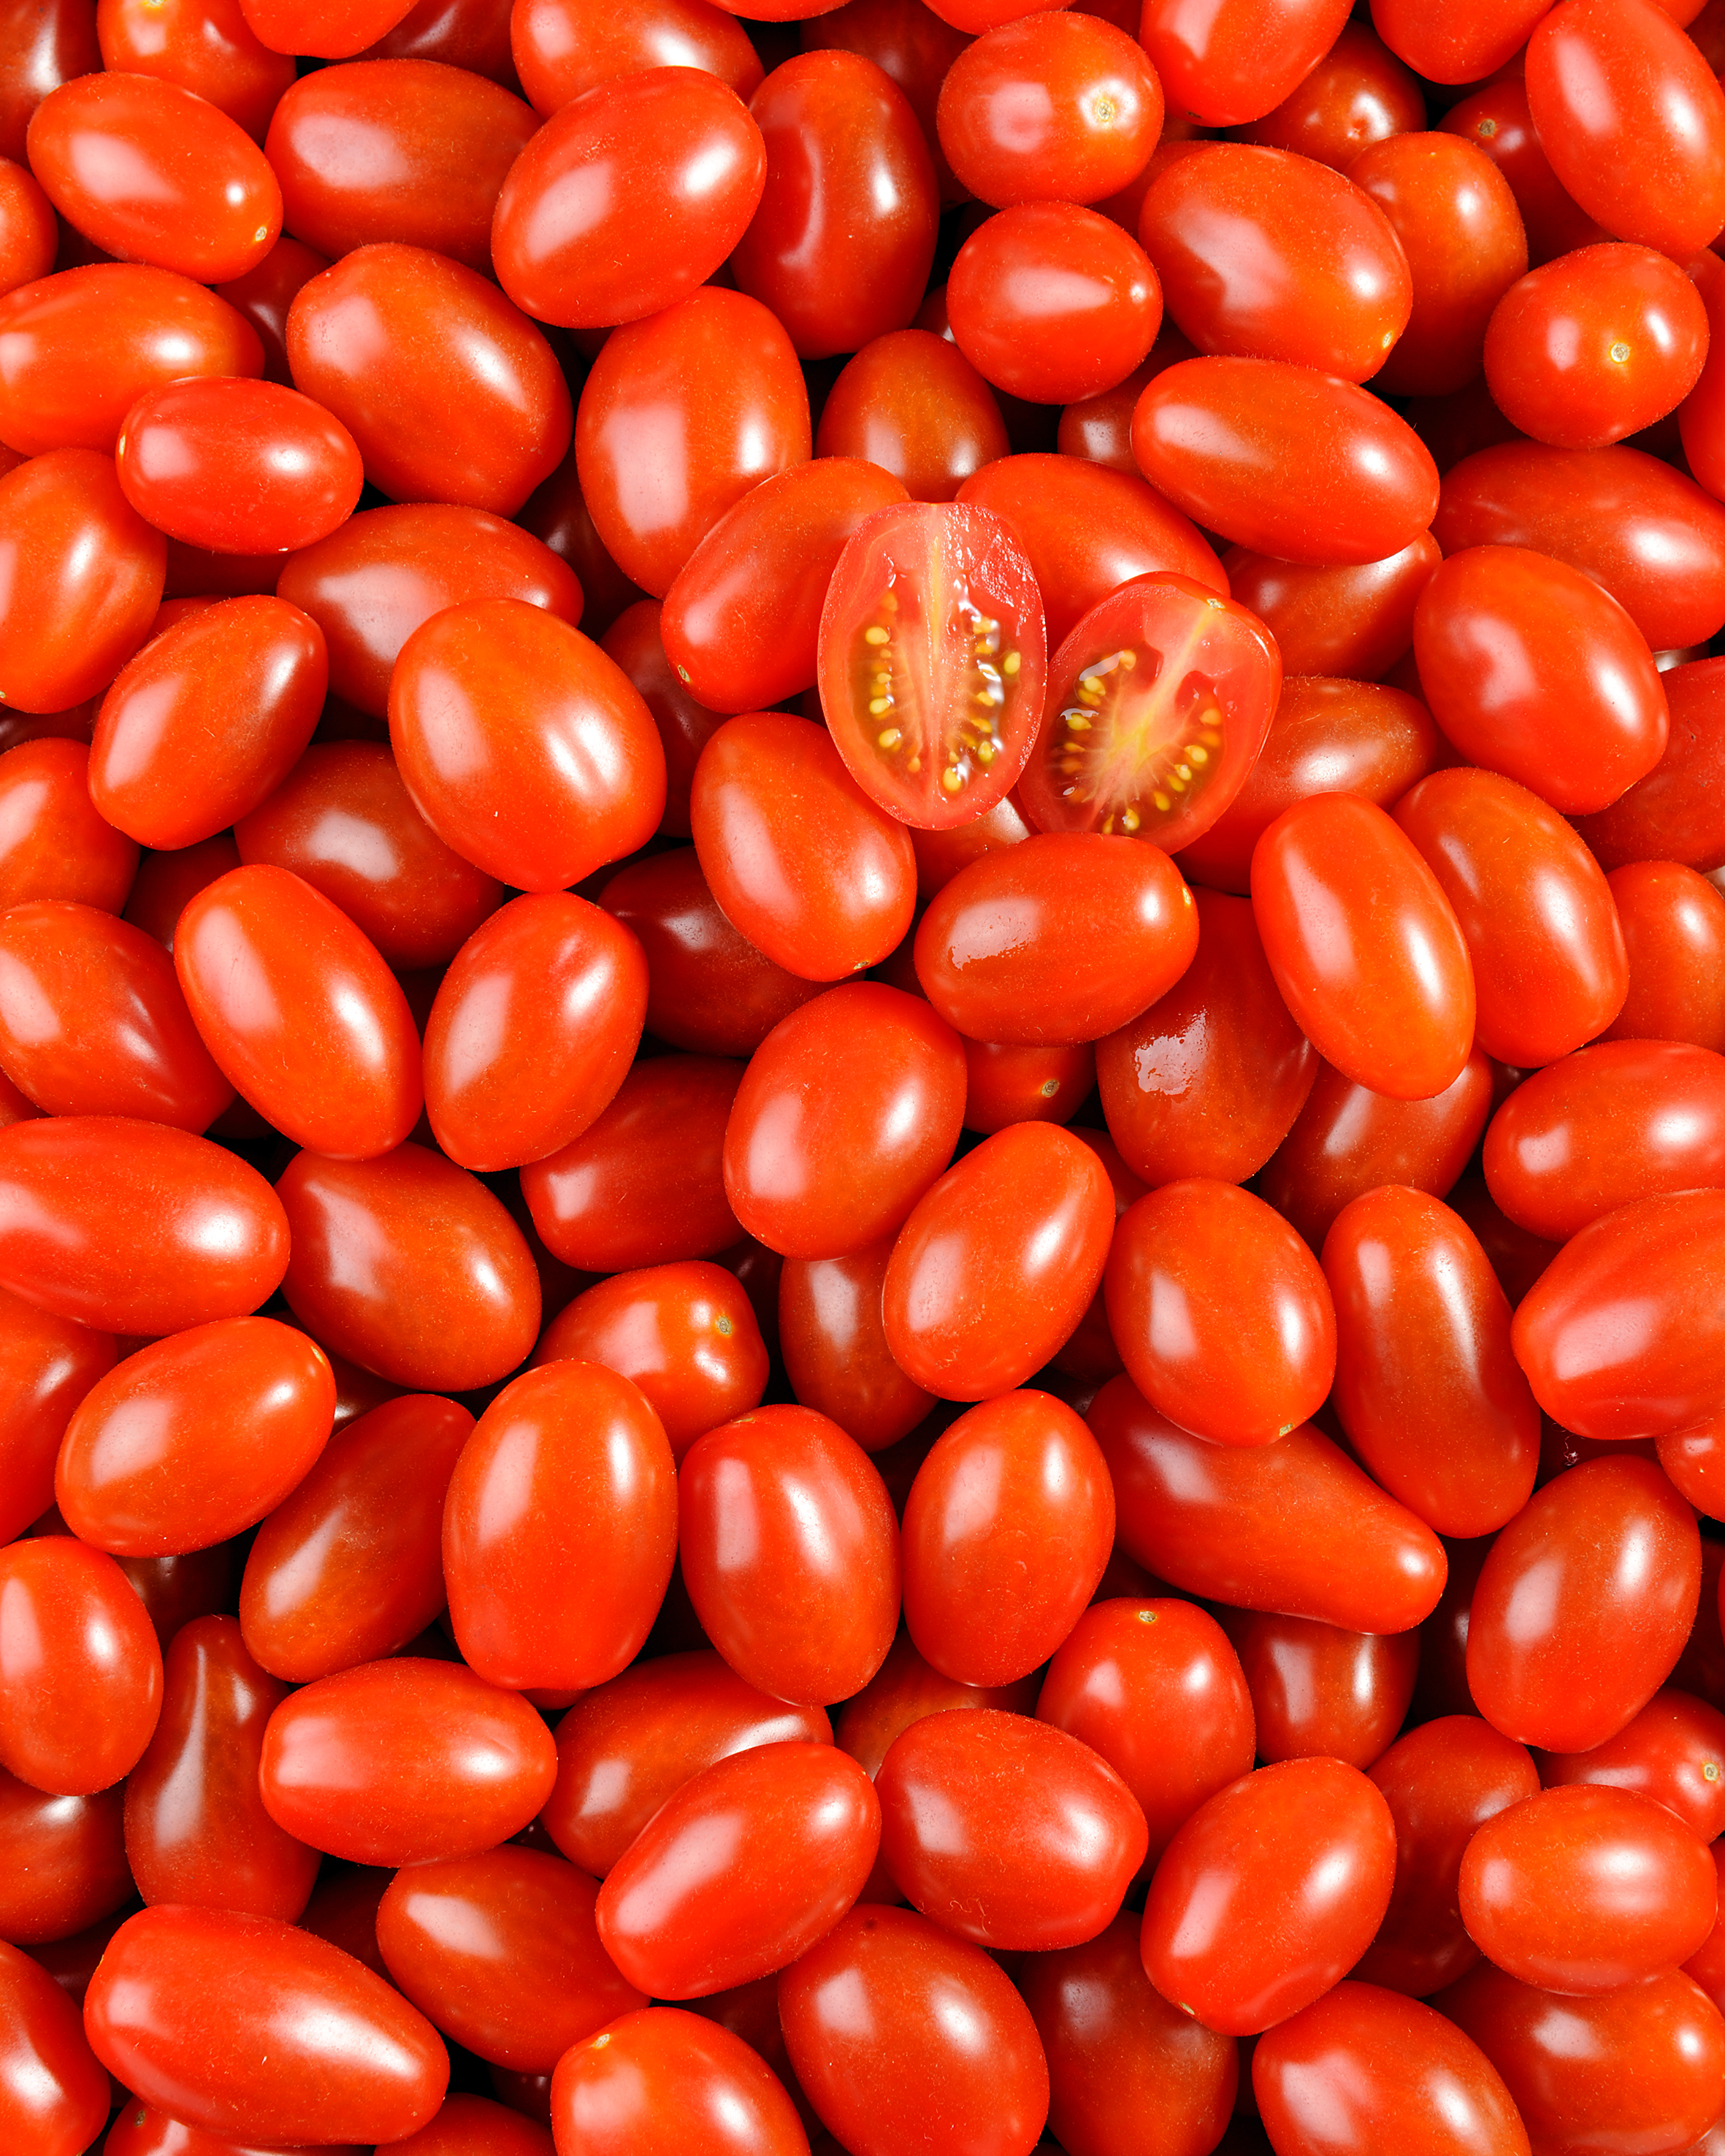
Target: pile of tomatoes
[[861, 1077]]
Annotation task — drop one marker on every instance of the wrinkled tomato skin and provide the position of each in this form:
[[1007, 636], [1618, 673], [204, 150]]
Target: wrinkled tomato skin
[[312, 2042], [1441, 1782], [912, 403], [665, 2082], [1008, 1527], [848, 1112], [627, 1746], [832, 1338], [79, 1665], [65, 1860], [54, 2096], [1673, 924], [408, 1266], [559, 1529], [789, 1553], [1208, 1080], [1023, 1223], [53, 842], [681, 415], [1355, 621], [1612, 1556], [1319, 1692], [349, 1568], [1254, 1526], [134, 1227], [1308, 1847], [1225, 66], [48, 1365]]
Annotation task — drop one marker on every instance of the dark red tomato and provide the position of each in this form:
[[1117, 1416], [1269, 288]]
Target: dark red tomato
[[668, 2083], [1269, 1892], [1633, 120], [1268, 254], [41, 51], [523, 746], [92, 1021], [559, 1530], [1008, 1082], [47, 1366], [1285, 460], [53, 2097], [300, 1012], [1623, 1335], [741, 622], [1700, 419], [80, 579], [1098, 429], [349, 1567], [1584, 1605], [628, 1745], [399, 1762], [264, 296], [843, 240], [81, 1670], [501, 1952], [789, 1553], [78, 349], [1356, 621], [1677, 812], [1222, 65], [65, 1862], [558, 514], [326, 29], [931, 661], [680, 417], [208, 718], [1359, 93], [1695, 1462], [1363, 2068], [832, 1338], [310, 2041], [196, 1829], [1672, 1752], [911, 402], [1008, 1528], [133, 1227], [1651, 537], [909, 42], [1496, 119], [204, 45], [406, 149], [386, 572], [1639, 2066], [149, 171], [409, 1267], [1257, 1528], [848, 1112], [1442, 1781], [1321, 1692], [175, 1589], [1673, 924], [565, 47], [685, 724], [53, 843], [740, 1871], [1053, 303], [1164, 757], [643, 1185], [1365, 946], [238, 466], [1022, 1225], [897, 2031], [802, 862], [481, 414], [1062, 107], [193, 1439], [343, 1910]]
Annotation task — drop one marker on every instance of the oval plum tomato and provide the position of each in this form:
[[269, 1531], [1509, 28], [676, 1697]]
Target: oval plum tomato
[[1673, 1753], [54, 843], [1222, 65], [31, 235], [1673, 924], [832, 1337], [911, 402], [1677, 812], [81, 1670], [665, 2082], [932, 661], [66, 1859], [1457, 44], [1359, 93], [47, 1365], [1320, 1691], [1158, 704], [1354, 620], [562, 48]]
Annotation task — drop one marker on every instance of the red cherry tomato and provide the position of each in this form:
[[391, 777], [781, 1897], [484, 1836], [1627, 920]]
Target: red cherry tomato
[[54, 2096], [1673, 924], [1664, 1754], [1357, 93], [47, 1365], [80, 1671], [911, 402], [832, 1338], [667, 2083], [562, 47], [1222, 65], [1319, 1692]]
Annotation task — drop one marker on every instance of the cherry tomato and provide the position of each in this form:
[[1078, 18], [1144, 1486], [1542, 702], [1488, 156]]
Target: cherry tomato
[[1496, 119], [1319, 1692], [48, 1365], [66, 1859], [204, 45], [911, 402], [79, 1665], [667, 2083], [1663, 1754], [1357, 93], [1673, 924], [54, 2096], [1222, 65], [562, 47], [1674, 814], [832, 1339]]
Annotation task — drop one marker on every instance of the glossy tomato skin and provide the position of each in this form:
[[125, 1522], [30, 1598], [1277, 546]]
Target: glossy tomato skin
[[1661, 1374], [1285, 460], [559, 1529], [206, 48], [66, 1861], [1329, 621], [54, 2096], [54, 843], [1663, 1754], [686, 725], [404, 1761], [1673, 924], [1020, 1224], [1008, 1528], [194, 1439], [962, 2061], [525, 748], [789, 1553], [408, 1266], [681, 415], [1616, 1555], [1308, 1847], [79, 1665], [1254, 1527], [562, 47], [665, 2082], [1326, 2086], [47, 1364], [643, 1185], [312, 2043], [463, 2125], [1222, 66], [348, 1567], [791, 1829], [263, 296], [911, 402], [832, 1338], [1319, 1692], [1673, 813], [204, 722], [479, 419], [134, 1227]]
